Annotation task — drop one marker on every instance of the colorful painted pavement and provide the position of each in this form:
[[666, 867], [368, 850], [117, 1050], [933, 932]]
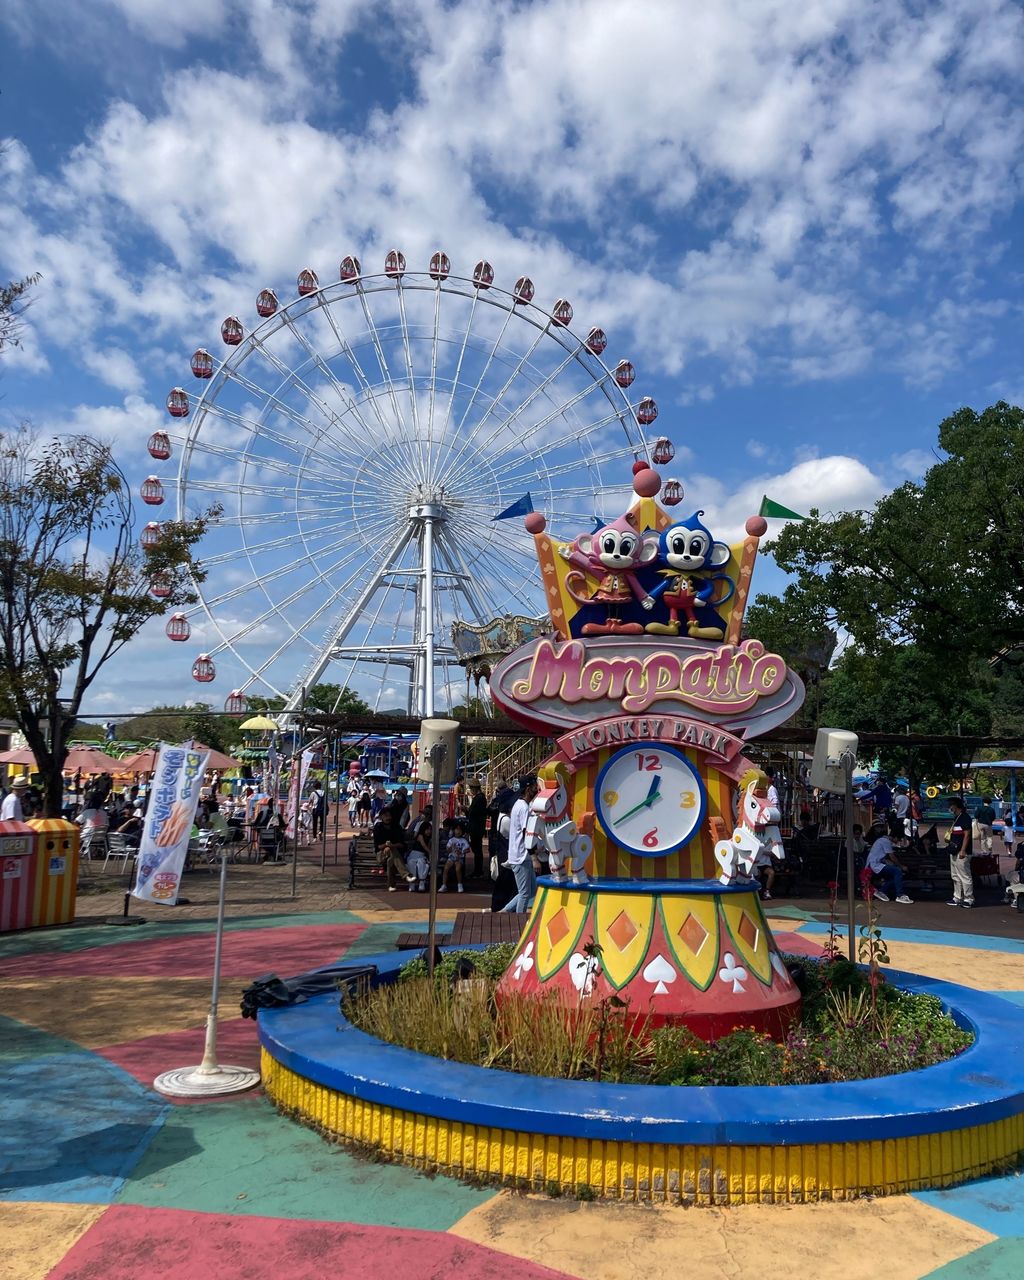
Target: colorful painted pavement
[[102, 1177]]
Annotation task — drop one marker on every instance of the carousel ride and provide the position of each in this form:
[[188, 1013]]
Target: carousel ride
[[371, 442]]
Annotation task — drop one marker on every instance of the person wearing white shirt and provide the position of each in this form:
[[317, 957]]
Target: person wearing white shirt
[[518, 855], [10, 810], [773, 791]]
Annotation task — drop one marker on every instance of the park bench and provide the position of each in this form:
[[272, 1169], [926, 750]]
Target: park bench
[[472, 927]]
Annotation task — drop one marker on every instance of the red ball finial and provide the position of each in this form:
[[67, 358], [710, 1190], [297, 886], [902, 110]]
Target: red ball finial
[[535, 522], [646, 482], [640, 465], [756, 526]]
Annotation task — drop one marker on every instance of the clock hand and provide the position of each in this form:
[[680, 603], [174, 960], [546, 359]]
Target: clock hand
[[652, 795], [655, 784]]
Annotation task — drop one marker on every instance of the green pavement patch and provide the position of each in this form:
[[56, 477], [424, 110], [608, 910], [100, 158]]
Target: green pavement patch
[[998, 1260], [382, 937], [19, 1040], [241, 1157]]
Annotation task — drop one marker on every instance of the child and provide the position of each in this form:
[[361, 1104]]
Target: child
[[418, 860], [455, 856]]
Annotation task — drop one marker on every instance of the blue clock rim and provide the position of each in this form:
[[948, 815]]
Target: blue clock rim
[[665, 749]]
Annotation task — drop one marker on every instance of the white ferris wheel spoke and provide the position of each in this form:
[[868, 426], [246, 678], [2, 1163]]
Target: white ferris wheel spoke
[[382, 361]]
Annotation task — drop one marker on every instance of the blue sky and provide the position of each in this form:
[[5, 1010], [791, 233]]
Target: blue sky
[[802, 223]]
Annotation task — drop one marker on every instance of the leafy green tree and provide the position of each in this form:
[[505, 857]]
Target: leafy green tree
[[905, 688], [74, 582], [795, 625], [13, 305], [940, 563], [331, 699]]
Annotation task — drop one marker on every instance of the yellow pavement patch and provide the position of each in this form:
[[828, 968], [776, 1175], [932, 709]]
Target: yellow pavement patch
[[37, 1236], [984, 970], [96, 1011], [898, 1237]]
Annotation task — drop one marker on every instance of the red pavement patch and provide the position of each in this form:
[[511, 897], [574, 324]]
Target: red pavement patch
[[245, 954], [131, 1243], [237, 1045], [795, 944]]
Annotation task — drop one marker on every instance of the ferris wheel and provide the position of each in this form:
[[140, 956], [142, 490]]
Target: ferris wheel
[[369, 443]]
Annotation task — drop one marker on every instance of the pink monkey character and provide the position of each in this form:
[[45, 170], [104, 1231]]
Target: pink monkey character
[[609, 558]]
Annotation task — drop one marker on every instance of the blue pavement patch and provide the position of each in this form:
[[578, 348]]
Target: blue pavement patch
[[939, 938], [994, 1204], [74, 1127]]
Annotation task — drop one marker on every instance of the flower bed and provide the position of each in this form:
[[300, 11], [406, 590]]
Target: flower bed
[[854, 1027]]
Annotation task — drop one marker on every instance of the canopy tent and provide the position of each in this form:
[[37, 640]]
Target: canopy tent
[[19, 755], [1011, 766]]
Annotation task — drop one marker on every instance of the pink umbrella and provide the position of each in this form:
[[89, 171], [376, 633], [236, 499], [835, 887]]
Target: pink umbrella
[[20, 755]]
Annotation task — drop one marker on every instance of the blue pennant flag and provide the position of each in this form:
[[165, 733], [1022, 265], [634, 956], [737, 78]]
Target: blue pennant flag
[[521, 507]]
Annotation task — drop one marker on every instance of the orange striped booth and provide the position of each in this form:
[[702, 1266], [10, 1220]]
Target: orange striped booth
[[56, 880]]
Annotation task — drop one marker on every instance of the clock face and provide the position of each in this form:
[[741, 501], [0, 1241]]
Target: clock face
[[649, 799]]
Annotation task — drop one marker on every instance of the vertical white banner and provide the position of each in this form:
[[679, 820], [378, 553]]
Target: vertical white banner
[[173, 799], [296, 786]]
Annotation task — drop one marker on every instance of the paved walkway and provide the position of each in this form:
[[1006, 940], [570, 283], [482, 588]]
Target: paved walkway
[[100, 1177]]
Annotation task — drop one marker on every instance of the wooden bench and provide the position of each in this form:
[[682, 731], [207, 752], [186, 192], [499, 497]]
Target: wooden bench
[[471, 927], [363, 864]]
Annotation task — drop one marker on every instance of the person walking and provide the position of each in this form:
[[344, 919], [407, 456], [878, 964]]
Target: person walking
[[985, 816], [318, 808], [519, 858], [959, 849], [503, 886]]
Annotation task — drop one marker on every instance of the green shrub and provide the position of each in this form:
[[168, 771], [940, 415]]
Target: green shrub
[[847, 1032]]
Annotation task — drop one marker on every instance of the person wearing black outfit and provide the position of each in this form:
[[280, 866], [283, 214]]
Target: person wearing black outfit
[[959, 849], [389, 845], [476, 826]]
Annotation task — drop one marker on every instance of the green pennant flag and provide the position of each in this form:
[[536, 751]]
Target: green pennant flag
[[777, 511]]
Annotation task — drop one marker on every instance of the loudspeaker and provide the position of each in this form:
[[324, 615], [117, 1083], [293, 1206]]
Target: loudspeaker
[[827, 770], [439, 731]]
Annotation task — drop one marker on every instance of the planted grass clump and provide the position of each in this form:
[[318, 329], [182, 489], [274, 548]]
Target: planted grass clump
[[854, 1026]]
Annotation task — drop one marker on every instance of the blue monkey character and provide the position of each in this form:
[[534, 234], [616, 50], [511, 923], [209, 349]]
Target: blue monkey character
[[688, 586]]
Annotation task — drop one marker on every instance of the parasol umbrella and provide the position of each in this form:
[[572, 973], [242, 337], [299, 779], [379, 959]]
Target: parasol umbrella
[[217, 760], [20, 755], [144, 762], [259, 724], [91, 760]]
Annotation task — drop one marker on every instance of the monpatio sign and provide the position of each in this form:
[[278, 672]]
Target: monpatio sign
[[665, 690]]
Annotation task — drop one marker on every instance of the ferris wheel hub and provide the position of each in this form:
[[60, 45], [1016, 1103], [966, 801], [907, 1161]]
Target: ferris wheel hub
[[427, 511]]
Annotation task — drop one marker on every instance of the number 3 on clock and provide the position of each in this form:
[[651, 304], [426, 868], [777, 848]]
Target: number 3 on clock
[[687, 799]]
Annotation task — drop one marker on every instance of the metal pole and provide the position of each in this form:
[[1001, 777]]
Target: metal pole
[[329, 761], [428, 617], [437, 755], [209, 1062], [337, 806], [298, 792], [851, 871]]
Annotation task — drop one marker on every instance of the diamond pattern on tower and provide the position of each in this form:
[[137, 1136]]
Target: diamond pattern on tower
[[558, 927], [748, 931], [622, 931], [693, 934]]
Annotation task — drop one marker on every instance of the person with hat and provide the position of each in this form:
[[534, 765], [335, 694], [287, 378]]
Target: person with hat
[[10, 810]]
